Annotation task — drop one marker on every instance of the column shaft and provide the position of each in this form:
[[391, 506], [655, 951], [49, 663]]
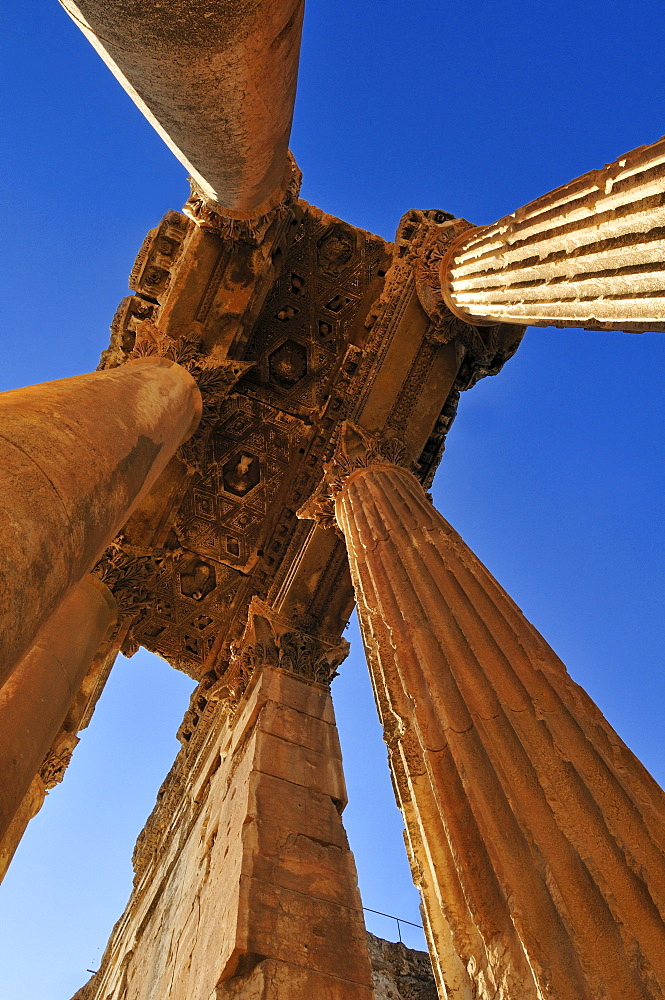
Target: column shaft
[[590, 254], [77, 456], [216, 80], [537, 836], [37, 696], [28, 808]]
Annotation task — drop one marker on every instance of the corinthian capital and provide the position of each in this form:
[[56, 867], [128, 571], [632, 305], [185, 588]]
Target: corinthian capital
[[215, 379], [272, 639], [356, 450], [215, 218]]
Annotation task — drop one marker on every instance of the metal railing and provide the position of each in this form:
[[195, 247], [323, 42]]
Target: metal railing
[[398, 921]]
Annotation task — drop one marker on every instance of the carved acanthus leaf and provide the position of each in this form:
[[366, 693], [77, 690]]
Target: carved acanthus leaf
[[426, 260], [211, 217], [356, 449], [271, 639], [58, 758], [215, 380], [487, 347], [132, 579]]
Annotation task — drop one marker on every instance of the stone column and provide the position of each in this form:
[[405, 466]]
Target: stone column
[[29, 806], [536, 836], [216, 80], [77, 456], [37, 696], [590, 254]]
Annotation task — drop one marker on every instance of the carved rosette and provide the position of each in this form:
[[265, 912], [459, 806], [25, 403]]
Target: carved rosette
[[355, 450], [213, 218]]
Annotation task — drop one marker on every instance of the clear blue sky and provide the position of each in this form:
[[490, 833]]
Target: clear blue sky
[[554, 469]]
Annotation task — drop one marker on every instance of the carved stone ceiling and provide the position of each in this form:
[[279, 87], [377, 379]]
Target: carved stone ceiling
[[215, 532]]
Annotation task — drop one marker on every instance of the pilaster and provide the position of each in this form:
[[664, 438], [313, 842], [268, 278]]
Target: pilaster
[[245, 858]]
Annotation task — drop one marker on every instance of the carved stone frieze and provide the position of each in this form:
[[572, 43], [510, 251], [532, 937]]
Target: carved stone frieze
[[132, 310], [151, 274], [150, 280]]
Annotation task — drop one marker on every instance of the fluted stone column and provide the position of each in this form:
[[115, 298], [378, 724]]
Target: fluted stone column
[[38, 695], [536, 836], [77, 455], [590, 254], [217, 80]]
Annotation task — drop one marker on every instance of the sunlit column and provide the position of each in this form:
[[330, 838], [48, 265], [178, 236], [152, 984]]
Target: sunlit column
[[77, 456], [590, 254], [263, 862], [36, 698], [218, 83], [536, 836]]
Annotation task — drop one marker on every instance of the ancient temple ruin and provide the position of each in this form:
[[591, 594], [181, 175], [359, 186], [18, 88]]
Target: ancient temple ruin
[[249, 462]]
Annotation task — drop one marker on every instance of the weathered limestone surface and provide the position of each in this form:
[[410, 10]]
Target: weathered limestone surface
[[216, 79], [35, 700], [536, 836], [29, 806], [590, 254], [77, 456], [247, 888], [400, 973]]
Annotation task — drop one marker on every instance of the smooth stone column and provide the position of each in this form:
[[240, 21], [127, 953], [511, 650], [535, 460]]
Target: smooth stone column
[[590, 254], [35, 700], [536, 836], [217, 80], [77, 456], [28, 808]]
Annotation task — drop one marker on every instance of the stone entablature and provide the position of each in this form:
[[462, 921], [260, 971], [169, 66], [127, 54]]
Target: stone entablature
[[301, 354]]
